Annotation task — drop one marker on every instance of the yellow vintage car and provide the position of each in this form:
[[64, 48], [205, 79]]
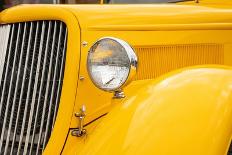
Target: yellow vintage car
[[117, 79]]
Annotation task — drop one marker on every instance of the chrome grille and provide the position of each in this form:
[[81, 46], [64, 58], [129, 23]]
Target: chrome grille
[[31, 70]]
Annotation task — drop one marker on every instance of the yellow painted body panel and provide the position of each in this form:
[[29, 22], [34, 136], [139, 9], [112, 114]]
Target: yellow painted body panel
[[73, 144], [99, 102], [166, 58], [171, 26], [189, 112], [153, 17]]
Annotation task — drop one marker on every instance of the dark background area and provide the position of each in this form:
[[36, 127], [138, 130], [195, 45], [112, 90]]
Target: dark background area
[[9, 3]]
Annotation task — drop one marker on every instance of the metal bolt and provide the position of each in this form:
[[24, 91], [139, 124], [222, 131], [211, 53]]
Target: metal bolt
[[78, 133], [82, 78], [84, 43], [119, 94]]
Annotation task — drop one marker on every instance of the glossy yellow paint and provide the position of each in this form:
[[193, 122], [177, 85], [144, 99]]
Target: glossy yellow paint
[[189, 112], [168, 17], [73, 144], [166, 58], [167, 24]]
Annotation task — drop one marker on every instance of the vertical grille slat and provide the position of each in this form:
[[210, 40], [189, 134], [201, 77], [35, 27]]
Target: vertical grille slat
[[4, 32], [28, 91], [60, 75], [52, 81], [15, 90], [36, 83], [48, 83], [37, 80], [45, 86], [5, 76], [28, 52], [23, 82], [11, 72]]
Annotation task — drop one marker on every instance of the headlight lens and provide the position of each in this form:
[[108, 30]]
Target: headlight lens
[[111, 63]]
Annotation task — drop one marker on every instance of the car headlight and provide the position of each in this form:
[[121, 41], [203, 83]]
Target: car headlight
[[111, 63]]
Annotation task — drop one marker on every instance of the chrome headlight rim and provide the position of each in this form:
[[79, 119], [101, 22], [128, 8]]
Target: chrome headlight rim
[[133, 63]]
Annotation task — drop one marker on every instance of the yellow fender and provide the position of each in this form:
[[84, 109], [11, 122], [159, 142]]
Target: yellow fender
[[187, 113]]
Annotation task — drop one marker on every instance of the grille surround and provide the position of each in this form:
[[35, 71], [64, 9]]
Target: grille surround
[[34, 83]]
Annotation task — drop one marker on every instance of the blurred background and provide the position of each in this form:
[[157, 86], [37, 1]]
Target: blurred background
[[9, 3]]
